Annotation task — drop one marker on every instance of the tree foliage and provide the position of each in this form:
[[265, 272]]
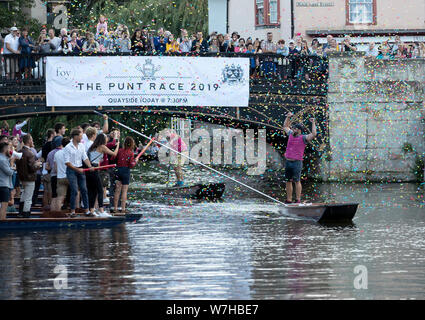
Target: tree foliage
[[172, 15], [148, 123], [12, 14]]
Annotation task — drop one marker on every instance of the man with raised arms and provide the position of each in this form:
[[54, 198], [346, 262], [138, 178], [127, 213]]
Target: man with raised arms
[[294, 155]]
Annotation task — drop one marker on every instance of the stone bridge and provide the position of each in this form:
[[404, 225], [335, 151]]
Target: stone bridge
[[271, 97]]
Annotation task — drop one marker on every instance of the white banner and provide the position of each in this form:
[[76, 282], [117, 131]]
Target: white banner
[[147, 81]]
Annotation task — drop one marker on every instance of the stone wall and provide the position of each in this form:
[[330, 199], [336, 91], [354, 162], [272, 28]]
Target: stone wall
[[376, 118]]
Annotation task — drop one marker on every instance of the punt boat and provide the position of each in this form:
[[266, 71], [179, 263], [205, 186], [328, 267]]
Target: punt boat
[[208, 191], [37, 212], [56, 223], [322, 212]]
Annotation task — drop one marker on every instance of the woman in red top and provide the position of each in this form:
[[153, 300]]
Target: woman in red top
[[125, 162]]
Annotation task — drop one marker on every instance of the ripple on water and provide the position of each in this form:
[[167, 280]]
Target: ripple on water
[[240, 248]]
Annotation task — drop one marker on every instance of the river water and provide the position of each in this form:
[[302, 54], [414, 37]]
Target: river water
[[239, 248]]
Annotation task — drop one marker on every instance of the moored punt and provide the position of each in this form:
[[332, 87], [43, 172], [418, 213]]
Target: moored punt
[[208, 191], [56, 223], [129, 217], [322, 212]]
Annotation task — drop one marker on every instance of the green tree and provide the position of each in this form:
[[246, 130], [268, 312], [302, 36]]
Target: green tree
[[172, 15], [12, 14], [147, 123]]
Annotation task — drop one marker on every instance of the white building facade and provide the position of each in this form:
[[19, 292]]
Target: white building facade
[[364, 20], [251, 18]]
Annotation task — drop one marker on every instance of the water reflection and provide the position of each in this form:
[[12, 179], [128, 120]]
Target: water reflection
[[96, 260], [238, 248]]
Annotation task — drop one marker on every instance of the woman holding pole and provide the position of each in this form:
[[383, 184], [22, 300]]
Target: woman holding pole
[[125, 162], [94, 183]]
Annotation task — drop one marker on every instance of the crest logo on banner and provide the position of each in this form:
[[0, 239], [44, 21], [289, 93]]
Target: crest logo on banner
[[148, 69], [232, 74]]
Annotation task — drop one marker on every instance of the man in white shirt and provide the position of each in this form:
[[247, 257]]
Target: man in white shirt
[[372, 51], [91, 134], [11, 46], [269, 46], [96, 125], [75, 155], [56, 41], [64, 33], [61, 179]]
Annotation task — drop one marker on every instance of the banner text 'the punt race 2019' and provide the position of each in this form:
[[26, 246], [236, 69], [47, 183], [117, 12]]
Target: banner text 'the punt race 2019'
[[146, 81]]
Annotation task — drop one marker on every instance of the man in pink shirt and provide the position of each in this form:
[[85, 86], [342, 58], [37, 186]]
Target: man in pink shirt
[[294, 155], [17, 129]]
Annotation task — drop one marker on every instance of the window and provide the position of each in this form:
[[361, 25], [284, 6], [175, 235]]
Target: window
[[361, 11], [267, 12], [260, 11], [273, 11]]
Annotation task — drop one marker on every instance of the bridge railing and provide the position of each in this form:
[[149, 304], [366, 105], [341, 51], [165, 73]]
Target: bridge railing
[[27, 72]]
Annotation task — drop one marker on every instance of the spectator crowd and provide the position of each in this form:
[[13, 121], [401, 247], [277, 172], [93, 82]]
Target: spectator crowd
[[295, 59], [66, 168]]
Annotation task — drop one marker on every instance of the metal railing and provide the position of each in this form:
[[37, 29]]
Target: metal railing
[[26, 72]]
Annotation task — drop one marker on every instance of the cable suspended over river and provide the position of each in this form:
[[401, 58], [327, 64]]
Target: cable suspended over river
[[195, 161]]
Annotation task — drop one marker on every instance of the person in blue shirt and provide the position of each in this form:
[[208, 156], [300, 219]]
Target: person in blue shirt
[[161, 46], [157, 39], [252, 64], [281, 65], [26, 63], [292, 50], [199, 45]]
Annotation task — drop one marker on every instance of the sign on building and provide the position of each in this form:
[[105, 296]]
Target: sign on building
[[147, 81], [57, 15]]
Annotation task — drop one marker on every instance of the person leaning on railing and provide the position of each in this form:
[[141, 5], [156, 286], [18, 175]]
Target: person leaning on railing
[[304, 62], [252, 65], [137, 41], [213, 46], [172, 45], [241, 46], [281, 61], [147, 40], [347, 46], [91, 44], [11, 46], [76, 44], [332, 47], [123, 41], [269, 46], [26, 62], [44, 45], [185, 44], [65, 46], [319, 66], [102, 39], [200, 44]]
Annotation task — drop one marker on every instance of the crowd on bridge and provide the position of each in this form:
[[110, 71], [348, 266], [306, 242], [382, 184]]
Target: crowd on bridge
[[66, 167], [294, 59]]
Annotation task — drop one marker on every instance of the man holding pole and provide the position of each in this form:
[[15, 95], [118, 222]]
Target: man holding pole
[[74, 156], [294, 155]]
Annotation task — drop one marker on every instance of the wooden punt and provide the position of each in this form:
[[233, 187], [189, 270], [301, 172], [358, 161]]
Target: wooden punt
[[201, 191], [39, 213], [57, 223], [208, 191], [322, 212]]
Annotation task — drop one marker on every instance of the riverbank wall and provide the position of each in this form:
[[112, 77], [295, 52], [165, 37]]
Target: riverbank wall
[[376, 119]]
